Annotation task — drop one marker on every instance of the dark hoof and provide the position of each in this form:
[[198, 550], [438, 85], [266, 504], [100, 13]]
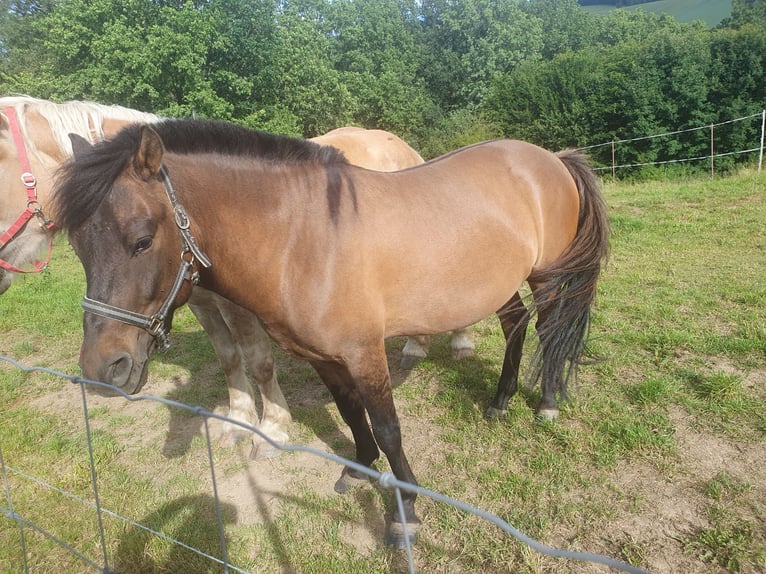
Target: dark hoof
[[409, 361], [395, 535], [493, 414], [349, 480], [547, 415]]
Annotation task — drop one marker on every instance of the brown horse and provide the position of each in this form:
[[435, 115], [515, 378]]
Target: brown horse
[[34, 139], [331, 257]]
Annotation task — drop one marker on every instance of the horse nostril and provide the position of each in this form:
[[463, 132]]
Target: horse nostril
[[118, 371]]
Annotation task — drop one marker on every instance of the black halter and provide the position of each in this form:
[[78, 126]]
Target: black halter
[[156, 324]]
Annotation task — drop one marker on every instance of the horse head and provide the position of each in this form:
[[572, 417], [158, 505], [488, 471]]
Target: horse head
[[113, 200]]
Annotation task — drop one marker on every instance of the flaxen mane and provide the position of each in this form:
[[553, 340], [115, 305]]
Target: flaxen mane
[[83, 118]]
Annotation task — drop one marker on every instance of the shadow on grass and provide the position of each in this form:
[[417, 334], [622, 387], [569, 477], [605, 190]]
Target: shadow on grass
[[189, 519], [461, 386]]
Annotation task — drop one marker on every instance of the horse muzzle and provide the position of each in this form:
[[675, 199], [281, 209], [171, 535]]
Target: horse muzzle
[[120, 368]]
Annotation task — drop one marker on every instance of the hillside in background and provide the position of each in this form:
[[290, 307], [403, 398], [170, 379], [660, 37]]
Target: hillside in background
[[709, 11]]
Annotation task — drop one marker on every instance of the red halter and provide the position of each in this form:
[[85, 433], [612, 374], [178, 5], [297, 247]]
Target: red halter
[[33, 209]]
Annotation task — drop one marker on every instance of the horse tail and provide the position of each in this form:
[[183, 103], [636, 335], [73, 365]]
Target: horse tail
[[565, 290]]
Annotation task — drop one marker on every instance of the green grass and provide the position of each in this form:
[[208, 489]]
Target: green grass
[[666, 420], [709, 11]]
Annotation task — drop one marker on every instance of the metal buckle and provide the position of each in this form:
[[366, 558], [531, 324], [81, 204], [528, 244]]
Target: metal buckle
[[182, 220], [28, 179], [156, 325]]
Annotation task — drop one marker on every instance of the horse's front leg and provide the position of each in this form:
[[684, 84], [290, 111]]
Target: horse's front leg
[[241, 401], [255, 347], [364, 384]]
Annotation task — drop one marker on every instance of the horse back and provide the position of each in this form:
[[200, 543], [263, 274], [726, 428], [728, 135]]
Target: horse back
[[471, 225], [371, 149]]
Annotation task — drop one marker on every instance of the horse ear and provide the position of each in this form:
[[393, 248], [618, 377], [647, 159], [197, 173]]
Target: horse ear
[[148, 158], [79, 144]]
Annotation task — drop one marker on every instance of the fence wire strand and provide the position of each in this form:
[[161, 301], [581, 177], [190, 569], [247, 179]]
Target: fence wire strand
[[386, 480]]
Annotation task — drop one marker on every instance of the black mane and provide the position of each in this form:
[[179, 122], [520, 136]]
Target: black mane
[[84, 181]]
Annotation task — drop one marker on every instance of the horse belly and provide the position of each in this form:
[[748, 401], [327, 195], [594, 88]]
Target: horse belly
[[455, 280]]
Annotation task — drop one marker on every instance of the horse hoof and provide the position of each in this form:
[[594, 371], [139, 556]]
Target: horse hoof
[[347, 482], [494, 414], [547, 415], [233, 438], [458, 354], [263, 450], [398, 538], [408, 362]]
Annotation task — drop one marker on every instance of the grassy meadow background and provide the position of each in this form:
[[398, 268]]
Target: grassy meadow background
[[709, 11], [658, 460]]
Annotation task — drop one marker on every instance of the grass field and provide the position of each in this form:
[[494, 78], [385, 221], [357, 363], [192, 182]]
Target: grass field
[[709, 11], [658, 460]]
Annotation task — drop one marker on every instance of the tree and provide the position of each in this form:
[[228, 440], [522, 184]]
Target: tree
[[378, 61], [310, 88], [465, 43], [594, 95], [567, 27], [147, 55], [745, 12]]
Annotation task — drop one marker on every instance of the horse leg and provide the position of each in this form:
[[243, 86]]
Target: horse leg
[[462, 344], [255, 347], [338, 381], [365, 384], [241, 402], [514, 320], [415, 349]]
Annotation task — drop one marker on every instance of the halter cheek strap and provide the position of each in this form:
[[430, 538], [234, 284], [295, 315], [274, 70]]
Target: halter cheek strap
[[156, 325], [33, 208]]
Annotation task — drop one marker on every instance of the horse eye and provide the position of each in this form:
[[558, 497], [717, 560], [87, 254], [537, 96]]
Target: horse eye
[[142, 245]]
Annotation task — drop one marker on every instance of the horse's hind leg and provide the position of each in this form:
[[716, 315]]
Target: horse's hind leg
[[552, 376], [514, 320], [415, 349], [462, 343]]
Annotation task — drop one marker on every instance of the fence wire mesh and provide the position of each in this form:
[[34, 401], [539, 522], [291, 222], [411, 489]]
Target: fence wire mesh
[[102, 563]]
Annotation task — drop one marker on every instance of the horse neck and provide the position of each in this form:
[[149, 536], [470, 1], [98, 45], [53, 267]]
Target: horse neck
[[242, 211]]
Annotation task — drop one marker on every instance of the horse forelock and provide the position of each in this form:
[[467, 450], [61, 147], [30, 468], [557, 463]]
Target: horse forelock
[[83, 182], [81, 117]]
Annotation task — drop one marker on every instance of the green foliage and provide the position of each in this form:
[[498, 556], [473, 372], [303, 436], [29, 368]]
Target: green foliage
[[438, 72]]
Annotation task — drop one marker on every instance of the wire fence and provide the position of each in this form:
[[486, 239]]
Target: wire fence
[[708, 146], [102, 563]]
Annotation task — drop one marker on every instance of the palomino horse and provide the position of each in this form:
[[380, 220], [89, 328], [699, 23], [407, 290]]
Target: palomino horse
[[331, 257], [34, 140]]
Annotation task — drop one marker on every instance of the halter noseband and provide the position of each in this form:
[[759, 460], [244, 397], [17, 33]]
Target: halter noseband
[[156, 324], [33, 208]]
